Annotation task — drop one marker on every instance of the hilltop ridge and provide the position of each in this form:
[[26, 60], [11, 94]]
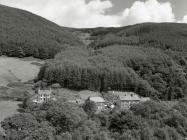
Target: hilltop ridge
[[25, 34]]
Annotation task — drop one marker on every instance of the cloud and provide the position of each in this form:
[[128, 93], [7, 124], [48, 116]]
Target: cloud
[[71, 13], [149, 11], [184, 20], [79, 13]]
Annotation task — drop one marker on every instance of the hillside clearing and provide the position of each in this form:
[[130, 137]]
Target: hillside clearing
[[17, 70]]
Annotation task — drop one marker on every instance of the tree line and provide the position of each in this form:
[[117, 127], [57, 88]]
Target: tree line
[[146, 71], [58, 120]]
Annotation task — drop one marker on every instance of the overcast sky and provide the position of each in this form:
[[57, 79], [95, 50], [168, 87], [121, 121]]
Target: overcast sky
[[94, 13]]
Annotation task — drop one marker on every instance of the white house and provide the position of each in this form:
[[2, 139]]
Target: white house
[[43, 96]]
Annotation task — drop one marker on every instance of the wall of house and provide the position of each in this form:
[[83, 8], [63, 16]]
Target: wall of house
[[128, 104], [100, 106]]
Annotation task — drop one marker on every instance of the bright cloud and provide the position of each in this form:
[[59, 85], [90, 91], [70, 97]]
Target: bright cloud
[[184, 20], [149, 11], [79, 13]]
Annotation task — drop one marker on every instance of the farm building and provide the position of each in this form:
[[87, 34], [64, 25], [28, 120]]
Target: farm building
[[96, 97], [76, 101], [128, 98], [43, 96], [85, 94], [99, 101]]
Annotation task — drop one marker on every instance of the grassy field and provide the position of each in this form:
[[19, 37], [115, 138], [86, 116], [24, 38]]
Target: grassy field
[[8, 108], [15, 69], [72, 94]]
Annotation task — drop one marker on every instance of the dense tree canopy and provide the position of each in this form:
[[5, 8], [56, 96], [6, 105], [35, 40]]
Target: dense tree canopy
[[149, 59], [146, 71], [59, 120]]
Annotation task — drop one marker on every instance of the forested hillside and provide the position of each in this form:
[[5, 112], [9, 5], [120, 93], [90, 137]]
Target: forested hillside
[[167, 36], [150, 59], [25, 34]]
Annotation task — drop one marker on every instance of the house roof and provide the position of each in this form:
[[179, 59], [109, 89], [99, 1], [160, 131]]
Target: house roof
[[85, 94], [97, 99], [127, 96], [56, 85], [79, 101], [144, 99], [47, 92]]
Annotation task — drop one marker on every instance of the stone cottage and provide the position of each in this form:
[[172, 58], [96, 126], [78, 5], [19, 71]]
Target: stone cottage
[[127, 99]]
